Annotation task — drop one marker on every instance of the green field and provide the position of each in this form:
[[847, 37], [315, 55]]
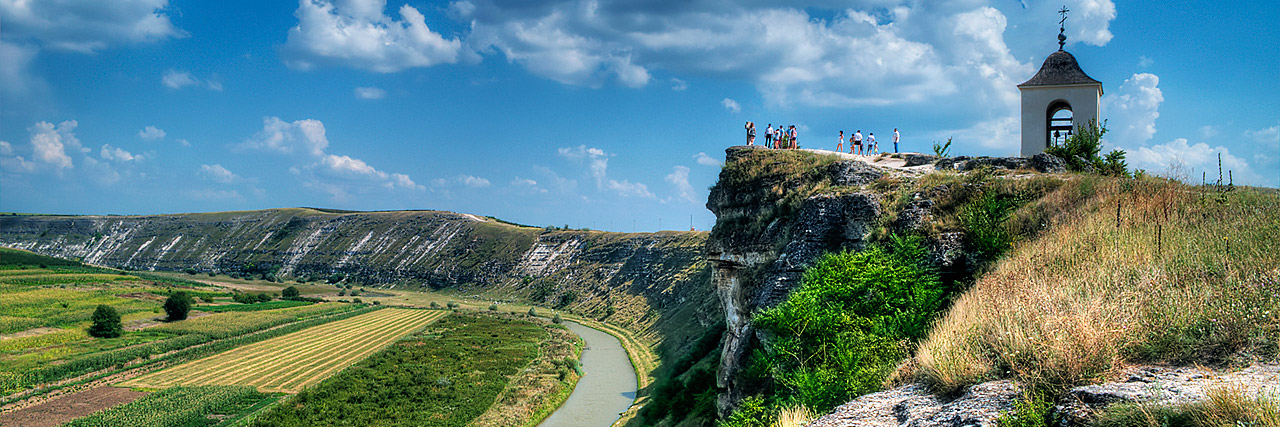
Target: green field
[[178, 407], [292, 362], [446, 376]]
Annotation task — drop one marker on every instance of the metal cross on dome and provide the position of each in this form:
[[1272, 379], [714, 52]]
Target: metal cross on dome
[[1062, 27]]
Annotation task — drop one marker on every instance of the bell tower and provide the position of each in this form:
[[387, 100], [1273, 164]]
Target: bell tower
[[1059, 99]]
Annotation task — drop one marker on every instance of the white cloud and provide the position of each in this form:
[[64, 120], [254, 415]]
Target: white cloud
[[50, 144], [356, 33], [527, 184], [117, 154], [680, 179], [1199, 157], [399, 180], [706, 160], [678, 85], [731, 105], [151, 133], [6, 149], [1270, 136], [174, 79], [219, 174], [183, 142], [462, 180], [87, 25], [627, 188], [1131, 111], [16, 80], [301, 136], [597, 160], [370, 93], [1207, 132], [349, 167], [1144, 61]]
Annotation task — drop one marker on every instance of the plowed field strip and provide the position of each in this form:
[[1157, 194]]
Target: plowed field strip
[[290, 362], [251, 355]]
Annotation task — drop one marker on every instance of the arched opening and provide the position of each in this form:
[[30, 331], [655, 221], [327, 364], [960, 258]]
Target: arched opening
[[1059, 123]]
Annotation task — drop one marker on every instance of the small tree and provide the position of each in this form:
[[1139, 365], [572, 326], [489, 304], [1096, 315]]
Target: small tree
[[289, 292], [533, 312], [435, 304], [493, 307], [264, 297], [557, 320], [942, 150], [106, 323], [452, 305], [177, 306]]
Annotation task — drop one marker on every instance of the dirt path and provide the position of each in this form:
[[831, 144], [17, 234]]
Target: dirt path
[[62, 409]]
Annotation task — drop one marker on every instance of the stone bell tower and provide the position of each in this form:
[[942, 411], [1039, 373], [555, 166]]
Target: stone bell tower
[[1057, 100]]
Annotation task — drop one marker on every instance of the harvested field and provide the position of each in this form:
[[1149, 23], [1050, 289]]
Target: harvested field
[[61, 409], [292, 362]]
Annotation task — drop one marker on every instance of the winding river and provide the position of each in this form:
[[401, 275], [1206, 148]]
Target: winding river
[[607, 387]]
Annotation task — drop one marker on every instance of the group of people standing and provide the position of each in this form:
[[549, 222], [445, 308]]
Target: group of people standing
[[868, 146], [776, 138], [780, 138]]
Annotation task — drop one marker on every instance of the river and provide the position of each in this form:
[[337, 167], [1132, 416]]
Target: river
[[607, 387]]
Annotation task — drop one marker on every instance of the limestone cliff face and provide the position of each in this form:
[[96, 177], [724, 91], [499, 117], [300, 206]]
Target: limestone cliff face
[[648, 280], [765, 236]]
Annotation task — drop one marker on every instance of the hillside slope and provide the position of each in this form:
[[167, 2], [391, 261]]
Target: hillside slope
[[649, 282]]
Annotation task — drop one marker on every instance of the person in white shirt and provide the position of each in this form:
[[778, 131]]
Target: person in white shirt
[[768, 136], [871, 143], [857, 140], [895, 140]]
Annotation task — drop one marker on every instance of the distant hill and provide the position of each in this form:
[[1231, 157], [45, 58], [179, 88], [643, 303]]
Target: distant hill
[[653, 282]]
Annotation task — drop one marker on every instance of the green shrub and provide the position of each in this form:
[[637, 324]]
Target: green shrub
[[751, 412], [984, 219], [289, 292], [1034, 411], [557, 320], [493, 307], [452, 305], [844, 329], [106, 323], [263, 297], [1080, 153], [533, 312], [177, 306], [435, 304]]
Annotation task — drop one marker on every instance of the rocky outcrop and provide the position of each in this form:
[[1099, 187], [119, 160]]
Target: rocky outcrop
[[1042, 162], [913, 406], [645, 279], [1164, 386]]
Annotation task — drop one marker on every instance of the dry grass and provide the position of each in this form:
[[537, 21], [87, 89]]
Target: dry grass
[[1181, 276], [1225, 407], [794, 416]]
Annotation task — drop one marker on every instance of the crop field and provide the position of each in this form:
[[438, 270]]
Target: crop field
[[178, 406], [222, 325], [292, 362]]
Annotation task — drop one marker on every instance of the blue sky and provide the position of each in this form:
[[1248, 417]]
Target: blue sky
[[608, 115]]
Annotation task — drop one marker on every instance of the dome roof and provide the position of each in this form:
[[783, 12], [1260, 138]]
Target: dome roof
[[1060, 68]]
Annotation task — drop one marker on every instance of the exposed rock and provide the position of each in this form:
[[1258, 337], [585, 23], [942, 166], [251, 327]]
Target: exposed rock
[[1163, 386], [913, 406], [915, 215], [1048, 163], [919, 159], [966, 163], [853, 172]]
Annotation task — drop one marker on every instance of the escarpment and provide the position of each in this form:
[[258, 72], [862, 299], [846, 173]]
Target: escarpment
[[647, 281]]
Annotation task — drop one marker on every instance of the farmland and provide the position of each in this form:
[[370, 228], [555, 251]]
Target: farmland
[[178, 406], [445, 376], [292, 362]]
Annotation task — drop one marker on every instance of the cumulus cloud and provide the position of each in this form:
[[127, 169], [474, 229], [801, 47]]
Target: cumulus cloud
[[337, 175], [596, 159], [50, 143], [679, 178], [1132, 110], [1198, 157], [6, 149], [356, 33], [218, 174], [731, 105], [627, 188], [87, 25], [174, 79], [301, 136], [151, 133], [706, 160], [678, 85], [527, 185], [116, 154], [370, 93], [1269, 136]]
